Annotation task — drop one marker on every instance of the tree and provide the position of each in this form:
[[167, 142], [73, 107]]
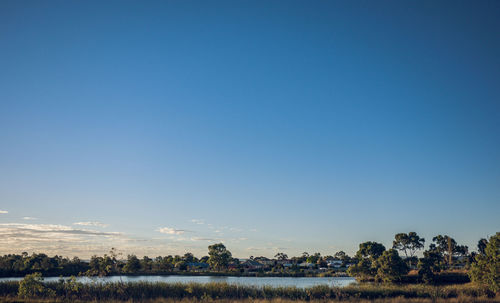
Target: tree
[[429, 265], [362, 269], [281, 256], [146, 264], [486, 269], [189, 258], [181, 265], [371, 250], [32, 286], [314, 258], [408, 243], [133, 264], [367, 254], [448, 248], [390, 266], [219, 256], [204, 259], [481, 246], [341, 255]]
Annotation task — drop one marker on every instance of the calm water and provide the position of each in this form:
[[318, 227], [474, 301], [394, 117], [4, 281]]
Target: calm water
[[255, 281]]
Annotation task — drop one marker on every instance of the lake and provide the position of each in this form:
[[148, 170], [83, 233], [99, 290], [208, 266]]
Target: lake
[[301, 282]]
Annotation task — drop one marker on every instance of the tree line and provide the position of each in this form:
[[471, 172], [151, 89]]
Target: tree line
[[371, 261]]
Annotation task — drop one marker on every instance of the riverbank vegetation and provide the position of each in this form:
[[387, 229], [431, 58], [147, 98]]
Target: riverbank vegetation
[[35, 288]]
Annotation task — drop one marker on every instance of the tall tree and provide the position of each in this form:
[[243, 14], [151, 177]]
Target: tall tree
[[133, 264], [448, 248], [367, 254], [408, 243], [371, 250], [219, 256], [281, 256]]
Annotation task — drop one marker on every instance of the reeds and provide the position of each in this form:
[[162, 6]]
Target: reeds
[[143, 291]]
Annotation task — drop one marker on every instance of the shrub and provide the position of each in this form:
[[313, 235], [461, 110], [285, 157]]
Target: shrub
[[486, 269], [391, 267], [32, 286]]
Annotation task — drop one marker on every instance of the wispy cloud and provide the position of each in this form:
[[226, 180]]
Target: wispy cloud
[[54, 238], [29, 218], [91, 223], [203, 239], [172, 231], [3, 212], [50, 229], [198, 221]]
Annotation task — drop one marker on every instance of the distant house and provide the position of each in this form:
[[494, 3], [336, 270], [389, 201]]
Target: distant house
[[307, 265], [250, 264], [266, 262], [334, 264]]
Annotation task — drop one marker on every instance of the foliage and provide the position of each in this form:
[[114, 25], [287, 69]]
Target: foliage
[[486, 269], [367, 255], [20, 265], [363, 269], [314, 258], [408, 243], [448, 248], [429, 265], [32, 286], [219, 256], [390, 266], [281, 256], [133, 264], [481, 246], [371, 250]]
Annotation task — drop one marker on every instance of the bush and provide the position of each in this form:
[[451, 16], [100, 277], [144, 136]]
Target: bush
[[391, 267], [486, 269], [32, 286]]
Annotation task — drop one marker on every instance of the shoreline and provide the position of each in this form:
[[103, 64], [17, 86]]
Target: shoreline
[[205, 274]]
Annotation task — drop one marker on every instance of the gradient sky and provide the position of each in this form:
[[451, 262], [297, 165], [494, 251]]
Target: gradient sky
[[160, 127]]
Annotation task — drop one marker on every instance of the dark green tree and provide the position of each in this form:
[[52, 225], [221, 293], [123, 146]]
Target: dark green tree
[[371, 250], [408, 243], [429, 265], [314, 258], [189, 257], [366, 256], [133, 264], [281, 256], [481, 246], [219, 256], [448, 248], [486, 269], [390, 266], [363, 269]]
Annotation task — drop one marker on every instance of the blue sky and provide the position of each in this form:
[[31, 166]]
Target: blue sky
[[160, 127]]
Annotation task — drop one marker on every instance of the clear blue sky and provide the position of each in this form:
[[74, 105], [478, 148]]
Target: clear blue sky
[[161, 127]]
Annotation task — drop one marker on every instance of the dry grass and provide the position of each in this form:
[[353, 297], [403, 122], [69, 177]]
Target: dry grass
[[222, 292], [163, 300]]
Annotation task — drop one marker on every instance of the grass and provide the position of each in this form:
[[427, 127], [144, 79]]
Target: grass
[[192, 300], [223, 292]]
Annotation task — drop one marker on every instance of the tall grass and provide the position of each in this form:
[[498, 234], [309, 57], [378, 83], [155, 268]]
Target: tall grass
[[143, 291]]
